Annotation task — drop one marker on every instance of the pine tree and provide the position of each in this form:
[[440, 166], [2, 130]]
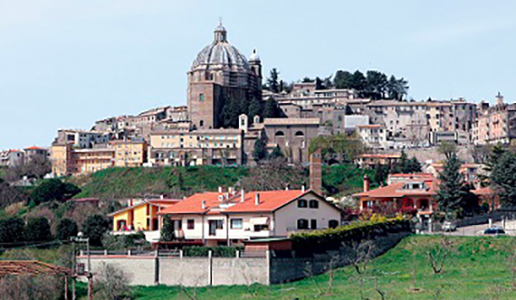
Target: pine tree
[[255, 108], [260, 149], [451, 192], [415, 166], [273, 81], [271, 109], [503, 178], [167, 231], [276, 152]]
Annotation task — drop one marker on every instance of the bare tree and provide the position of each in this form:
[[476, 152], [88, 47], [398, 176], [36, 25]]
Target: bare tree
[[273, 174], [439, 253], [361, 255], [111, 282]]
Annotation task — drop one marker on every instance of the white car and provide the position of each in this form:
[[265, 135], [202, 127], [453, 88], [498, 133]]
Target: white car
[[449, 226]]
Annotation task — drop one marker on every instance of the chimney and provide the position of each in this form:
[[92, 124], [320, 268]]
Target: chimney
[[242, 196], [162, 197], [203, 204], [286, 187], [367, 182], [315, 172], [220, 189], [303, 188], [257, 199]]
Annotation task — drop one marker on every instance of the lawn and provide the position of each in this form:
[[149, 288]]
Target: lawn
[[477, 268]]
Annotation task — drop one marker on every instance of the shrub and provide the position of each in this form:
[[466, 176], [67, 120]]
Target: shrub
[[220, 251], [38, 229], [53, 189], [66, 229], [333, 238], [94, 228], [12, 230], [167, 231]]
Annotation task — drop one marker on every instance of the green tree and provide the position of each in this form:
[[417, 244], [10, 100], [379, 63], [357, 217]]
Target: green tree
[[66, 228], [276, 153], [448, 149], [343, 80], [53, 189], [376, 84], [397, 88], [414, 165], [503, 178], [12, 230], [451, 192], [38, 229], [230, 112], [260, 149], [255, 108], [167, 231], [273, 81], [94, 227], [340, 147], [381, 172], [271, 109], [358, 81]]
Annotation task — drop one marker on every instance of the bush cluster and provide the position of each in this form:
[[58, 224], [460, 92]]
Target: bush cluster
[[320, 241], [220, 251]]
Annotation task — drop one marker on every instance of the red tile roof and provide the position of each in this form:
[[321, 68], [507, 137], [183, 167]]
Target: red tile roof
[[269, 201], [379, 156], [34, 148], [395, 190], [485, 191]]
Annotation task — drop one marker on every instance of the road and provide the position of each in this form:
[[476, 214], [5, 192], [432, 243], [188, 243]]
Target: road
[[478, 230]]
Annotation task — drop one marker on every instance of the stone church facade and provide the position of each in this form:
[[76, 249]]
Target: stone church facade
[[218, 73]]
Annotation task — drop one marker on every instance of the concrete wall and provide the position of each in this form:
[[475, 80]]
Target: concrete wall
[[206, 271]]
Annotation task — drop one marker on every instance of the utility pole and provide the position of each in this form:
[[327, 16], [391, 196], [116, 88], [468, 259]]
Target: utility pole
[[89, 274]]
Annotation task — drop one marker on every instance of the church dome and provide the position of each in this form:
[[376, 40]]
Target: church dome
[[220, 53]]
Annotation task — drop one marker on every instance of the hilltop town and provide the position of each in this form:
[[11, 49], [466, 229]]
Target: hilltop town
[[258, 182]]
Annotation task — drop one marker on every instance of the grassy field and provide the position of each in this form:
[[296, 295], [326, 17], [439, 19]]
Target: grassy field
[[477, 268], [134, 182]]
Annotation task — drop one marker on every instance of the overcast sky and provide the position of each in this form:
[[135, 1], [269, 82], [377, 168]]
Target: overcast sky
[[65, 64]]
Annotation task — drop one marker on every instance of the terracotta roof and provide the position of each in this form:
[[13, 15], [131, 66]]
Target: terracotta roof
[[395, 190], [379, 155], [34, 148], [269, 201], [485, 191], [163, 203], [291, 121], [413, 175], [193, 204]]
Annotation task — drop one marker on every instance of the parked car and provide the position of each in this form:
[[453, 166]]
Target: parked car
[[449, 226], [494, 230]]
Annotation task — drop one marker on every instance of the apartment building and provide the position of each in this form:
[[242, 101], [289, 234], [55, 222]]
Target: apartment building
[[373, 135], [371, 160], [82, 138], [68, 160], [306, 95], [199, 147], [218, 218], [496, 124]]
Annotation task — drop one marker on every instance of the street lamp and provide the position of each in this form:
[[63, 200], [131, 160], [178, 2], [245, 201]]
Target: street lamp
[[80, 239]]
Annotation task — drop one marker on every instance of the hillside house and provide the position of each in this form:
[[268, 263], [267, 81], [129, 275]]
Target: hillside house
[[217, 218]]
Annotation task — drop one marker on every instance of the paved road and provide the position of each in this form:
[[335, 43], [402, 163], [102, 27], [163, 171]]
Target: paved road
[[478, 230]]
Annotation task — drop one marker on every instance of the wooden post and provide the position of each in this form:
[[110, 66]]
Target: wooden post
[[66, 287]]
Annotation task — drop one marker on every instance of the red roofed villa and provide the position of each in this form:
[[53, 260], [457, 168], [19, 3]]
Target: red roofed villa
[[228, 218]]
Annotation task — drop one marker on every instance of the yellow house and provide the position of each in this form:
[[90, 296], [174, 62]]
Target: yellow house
[[140, 216], [130, 153]]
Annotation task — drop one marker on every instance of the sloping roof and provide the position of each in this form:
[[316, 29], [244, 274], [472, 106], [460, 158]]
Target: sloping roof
[[395, 190], [371, 126], [379, 155], [164, 203], [268, 200], [193, 204], [34, 148], [291, 121], [485, 191]]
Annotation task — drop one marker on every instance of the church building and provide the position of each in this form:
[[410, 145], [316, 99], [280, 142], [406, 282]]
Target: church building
[[220, 72]]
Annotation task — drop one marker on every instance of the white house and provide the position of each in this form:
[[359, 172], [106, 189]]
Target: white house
[[229, 218]]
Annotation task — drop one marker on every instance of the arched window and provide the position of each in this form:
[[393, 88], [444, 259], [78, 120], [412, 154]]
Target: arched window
[[201, 123], [314, 204], [301, 203], [201, 97], [279, 133], [302, 224], [333, 223], [299, 133]]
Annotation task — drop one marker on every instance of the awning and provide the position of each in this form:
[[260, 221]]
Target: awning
[[259, 221]]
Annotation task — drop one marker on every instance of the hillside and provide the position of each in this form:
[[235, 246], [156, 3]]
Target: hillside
[[180, 181], [476, 268]]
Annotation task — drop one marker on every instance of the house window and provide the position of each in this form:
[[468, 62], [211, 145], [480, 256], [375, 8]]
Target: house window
[[190, 224], [314, 204], [313, 224], [301, 203], [333, 223], [261, 227], [218, 224], [201, 97], [236, 223], [302, 224]]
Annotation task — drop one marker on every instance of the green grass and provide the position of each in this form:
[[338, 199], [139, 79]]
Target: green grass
[[478, 269], [134, 182]]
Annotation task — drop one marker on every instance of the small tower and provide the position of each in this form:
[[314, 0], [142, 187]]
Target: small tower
[[256, 66], [256, 119], [316, 172], [499, 99], [243, 122]]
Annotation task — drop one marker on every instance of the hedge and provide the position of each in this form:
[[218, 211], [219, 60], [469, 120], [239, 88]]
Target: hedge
[[220, 251], [320, 241]]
